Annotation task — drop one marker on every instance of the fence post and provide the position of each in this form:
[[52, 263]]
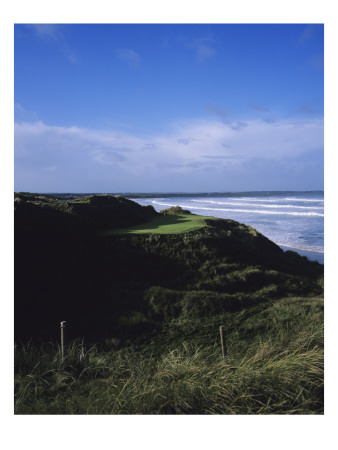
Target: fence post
[[221, 332], [63, 339]]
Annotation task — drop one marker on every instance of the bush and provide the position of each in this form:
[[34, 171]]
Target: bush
[[164, 304]]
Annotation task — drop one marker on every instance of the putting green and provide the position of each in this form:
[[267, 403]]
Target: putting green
[[165, 224]]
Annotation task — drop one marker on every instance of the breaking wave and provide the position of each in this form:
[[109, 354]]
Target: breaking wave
[[232, 203], [239, 210]]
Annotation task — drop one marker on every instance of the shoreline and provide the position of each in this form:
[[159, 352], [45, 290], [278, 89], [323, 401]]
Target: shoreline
[[312, 256]]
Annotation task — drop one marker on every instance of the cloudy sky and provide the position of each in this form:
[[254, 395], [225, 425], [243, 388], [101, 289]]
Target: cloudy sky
[[154, 108]]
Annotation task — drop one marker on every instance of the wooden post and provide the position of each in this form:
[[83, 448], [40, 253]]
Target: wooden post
[[63, 339], [221, 332]]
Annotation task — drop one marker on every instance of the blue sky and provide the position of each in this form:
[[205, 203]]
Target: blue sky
[[145, 108]]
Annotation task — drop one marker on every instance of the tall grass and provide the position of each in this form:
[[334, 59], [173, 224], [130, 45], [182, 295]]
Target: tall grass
[[274, 365]]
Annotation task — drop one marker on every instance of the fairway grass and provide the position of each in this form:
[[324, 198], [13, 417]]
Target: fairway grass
[[165, 224]]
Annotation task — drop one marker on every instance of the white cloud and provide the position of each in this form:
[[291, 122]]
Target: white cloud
[[18, 107], [204, 52], [52, 33], [50, 168], [47, 31], [307, 34], [258, 107], [202, 47], [130, 56], [219, 111], [185, 150]]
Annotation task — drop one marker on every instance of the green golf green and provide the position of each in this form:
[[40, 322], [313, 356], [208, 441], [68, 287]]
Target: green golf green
[[165, 224]]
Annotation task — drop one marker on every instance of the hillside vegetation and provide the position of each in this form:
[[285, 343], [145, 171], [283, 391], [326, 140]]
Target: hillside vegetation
[[162, 297], [88, 212]]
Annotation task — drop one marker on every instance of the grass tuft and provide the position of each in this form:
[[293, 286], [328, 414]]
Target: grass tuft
[[272, 369]]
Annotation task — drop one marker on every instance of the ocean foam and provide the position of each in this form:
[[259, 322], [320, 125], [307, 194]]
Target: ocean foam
[[254, 211], [283, 199], [231, 203], [297, 247]]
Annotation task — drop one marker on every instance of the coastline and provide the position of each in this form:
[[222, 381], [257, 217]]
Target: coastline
[[312, 256]]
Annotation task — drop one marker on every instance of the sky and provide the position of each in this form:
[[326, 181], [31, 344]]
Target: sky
[[168, 107]]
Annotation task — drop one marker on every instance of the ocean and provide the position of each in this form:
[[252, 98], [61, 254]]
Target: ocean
[[293, 220]]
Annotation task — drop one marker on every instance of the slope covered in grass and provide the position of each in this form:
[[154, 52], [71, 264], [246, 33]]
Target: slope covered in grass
[[41, 213], [274, 365], [162, 297], [130, 284]]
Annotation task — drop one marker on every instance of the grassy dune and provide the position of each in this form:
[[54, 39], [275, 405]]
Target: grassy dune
[[274, 365], [165, 224], [163, 292]]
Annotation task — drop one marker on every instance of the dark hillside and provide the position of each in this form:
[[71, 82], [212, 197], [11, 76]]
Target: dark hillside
[[129, 285], [43, 213], [175, 210]]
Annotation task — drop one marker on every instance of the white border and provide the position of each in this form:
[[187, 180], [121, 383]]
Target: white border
[[150, 432]]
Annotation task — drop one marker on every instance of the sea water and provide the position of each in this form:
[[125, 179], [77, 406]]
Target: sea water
[[293, 220]]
